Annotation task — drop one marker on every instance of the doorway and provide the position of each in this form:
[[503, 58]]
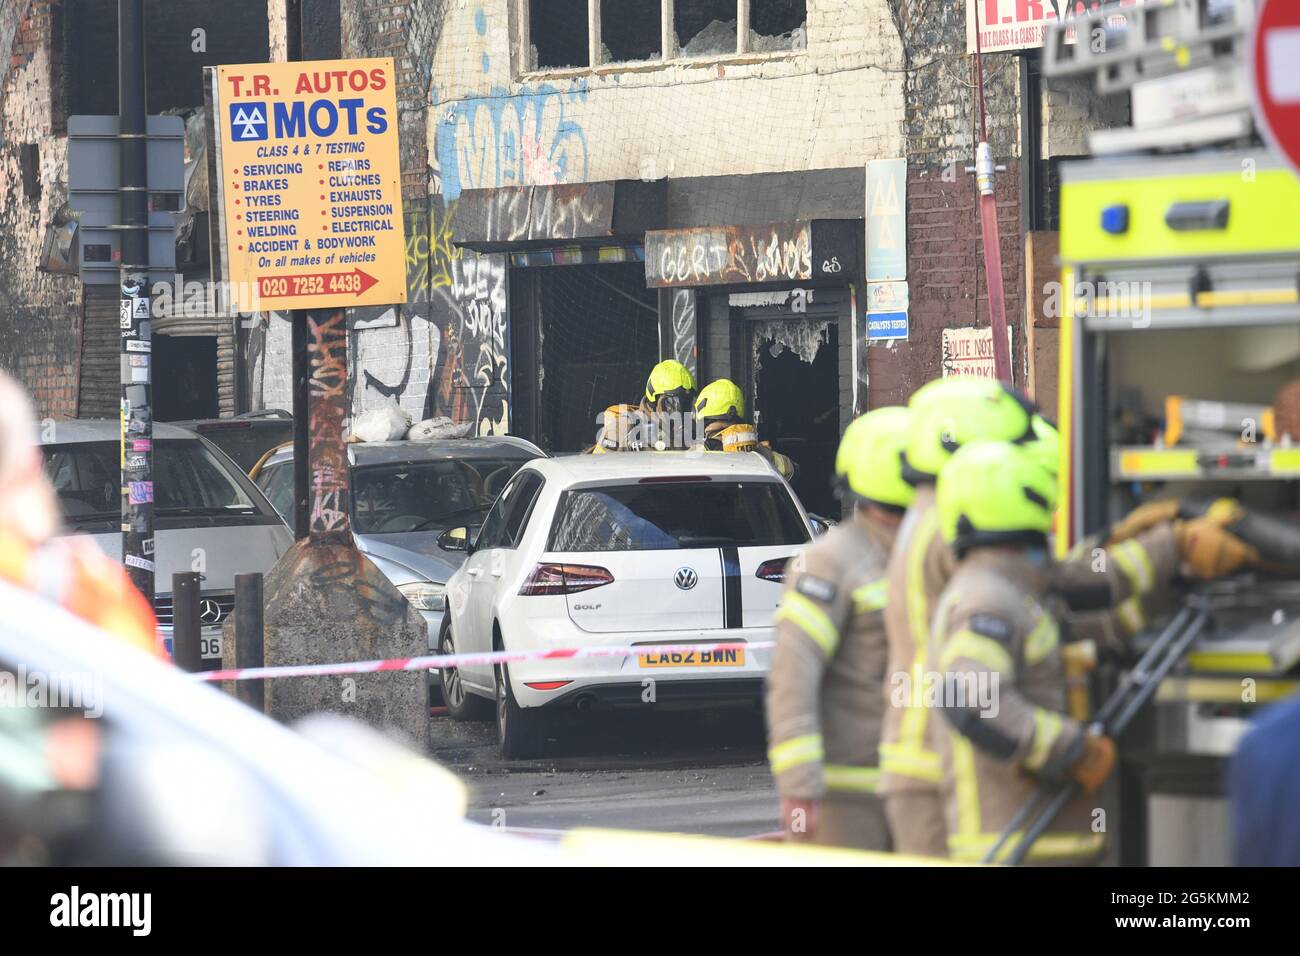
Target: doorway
[[185, 377], [797, 401]]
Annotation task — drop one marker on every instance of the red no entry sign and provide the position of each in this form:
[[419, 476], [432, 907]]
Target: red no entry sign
[[1275, 75]]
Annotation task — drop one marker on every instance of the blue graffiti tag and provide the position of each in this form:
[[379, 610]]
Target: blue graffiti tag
[[511, 139]]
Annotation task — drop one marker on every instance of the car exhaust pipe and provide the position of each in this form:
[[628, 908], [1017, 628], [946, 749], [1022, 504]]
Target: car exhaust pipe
[[584, 703]]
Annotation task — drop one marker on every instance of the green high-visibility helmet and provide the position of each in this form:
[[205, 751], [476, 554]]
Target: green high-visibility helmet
[[667, 377], [994, 492], [869, 463], [720, 399], [949, 413], [1045, 446]]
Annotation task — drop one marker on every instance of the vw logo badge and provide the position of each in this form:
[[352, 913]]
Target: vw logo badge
[[209, 611], [685, 578]]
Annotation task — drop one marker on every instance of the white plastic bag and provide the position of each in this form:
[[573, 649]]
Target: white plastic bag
[[432, 429], [388, 422]]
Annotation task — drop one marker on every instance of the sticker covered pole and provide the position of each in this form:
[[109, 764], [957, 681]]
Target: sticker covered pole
[[136, 371]]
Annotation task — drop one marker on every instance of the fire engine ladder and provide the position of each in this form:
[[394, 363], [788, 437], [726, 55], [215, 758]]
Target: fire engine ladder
[[1137, 687]]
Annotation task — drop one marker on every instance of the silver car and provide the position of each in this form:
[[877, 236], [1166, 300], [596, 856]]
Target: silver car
[[405, 494], [208, 516]]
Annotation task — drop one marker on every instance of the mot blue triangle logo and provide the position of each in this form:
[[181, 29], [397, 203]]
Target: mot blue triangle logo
[[247, 122]]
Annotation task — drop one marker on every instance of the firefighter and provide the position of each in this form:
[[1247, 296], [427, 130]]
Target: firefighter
[[621, 430], [721, 409], [670, 388], [945, 414], [667, 404], [1104, 591], [998, 648], [70, 571], [824, 700]]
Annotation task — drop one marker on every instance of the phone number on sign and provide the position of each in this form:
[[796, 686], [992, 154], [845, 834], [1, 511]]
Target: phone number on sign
[[273, 286]]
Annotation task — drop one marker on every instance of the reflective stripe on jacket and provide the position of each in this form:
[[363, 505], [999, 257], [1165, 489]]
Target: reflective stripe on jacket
[[824, 698]]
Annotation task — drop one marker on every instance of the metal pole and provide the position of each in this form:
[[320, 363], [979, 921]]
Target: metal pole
[[136, 371], [187, 652], [249, 649], [984, 172], [301, 375]]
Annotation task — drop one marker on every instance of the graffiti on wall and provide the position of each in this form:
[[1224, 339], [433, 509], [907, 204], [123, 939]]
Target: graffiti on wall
[[683, 315], [446, 353], [472, 378], [511, 139], [727, 255]]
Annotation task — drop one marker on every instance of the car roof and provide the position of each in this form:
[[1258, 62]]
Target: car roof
[[391, 452], [105, 429], [580, 469]]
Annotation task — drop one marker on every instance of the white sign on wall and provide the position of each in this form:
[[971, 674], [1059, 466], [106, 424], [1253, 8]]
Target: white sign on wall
[[968, 352]]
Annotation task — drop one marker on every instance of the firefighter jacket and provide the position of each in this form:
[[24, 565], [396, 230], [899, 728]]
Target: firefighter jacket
[[1102, 589], [824, 703], [998, 647], [919, 568], [721, 436]]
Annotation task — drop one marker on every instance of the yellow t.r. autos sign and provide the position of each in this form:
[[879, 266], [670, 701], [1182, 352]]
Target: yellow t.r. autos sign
[[311, 184]]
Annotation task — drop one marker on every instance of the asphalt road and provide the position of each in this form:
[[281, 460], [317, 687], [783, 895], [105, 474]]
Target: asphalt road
[[672, 772]]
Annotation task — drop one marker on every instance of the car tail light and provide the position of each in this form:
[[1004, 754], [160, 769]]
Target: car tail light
[[547, 684], [564, 579], [773, 570], [666, 479]]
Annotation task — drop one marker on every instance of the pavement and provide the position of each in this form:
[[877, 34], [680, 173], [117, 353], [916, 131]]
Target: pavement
[[671, 772]]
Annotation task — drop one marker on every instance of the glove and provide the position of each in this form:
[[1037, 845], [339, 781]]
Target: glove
[[799, 818], [1143, 518], [1095, 763], [1210, 551]]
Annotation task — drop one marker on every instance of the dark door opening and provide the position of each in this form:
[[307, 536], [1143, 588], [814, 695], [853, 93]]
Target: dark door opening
[[598, 328], [184, 377], [797, 402]]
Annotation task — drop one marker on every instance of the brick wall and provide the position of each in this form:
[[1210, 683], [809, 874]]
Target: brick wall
[[40, 313], [945, 262], [1071, 109]]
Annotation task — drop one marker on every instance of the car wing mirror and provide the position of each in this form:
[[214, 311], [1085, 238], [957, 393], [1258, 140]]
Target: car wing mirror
[[456, 539], [819, 524]]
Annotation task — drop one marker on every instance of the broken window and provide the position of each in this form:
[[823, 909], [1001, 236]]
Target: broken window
[[558, 33], [705, 27], [777, 25], [630, 30]]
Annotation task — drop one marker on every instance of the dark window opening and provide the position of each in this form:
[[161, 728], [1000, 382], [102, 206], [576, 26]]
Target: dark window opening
[[777, 25], [630, 30], [705, 27], [797, 402], [558, 33], [599, 335], [29, 160], [233, 33], [184, 377]]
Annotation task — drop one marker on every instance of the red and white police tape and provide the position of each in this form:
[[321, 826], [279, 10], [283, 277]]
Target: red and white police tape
[[437, 662]]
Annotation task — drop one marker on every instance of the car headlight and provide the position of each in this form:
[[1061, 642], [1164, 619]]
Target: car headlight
[[425, 595]]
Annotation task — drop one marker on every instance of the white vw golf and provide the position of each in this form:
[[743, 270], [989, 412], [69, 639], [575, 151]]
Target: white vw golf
[[637, 548]]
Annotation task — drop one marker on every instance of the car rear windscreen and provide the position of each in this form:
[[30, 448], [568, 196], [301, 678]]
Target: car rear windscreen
[[670, 516]]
